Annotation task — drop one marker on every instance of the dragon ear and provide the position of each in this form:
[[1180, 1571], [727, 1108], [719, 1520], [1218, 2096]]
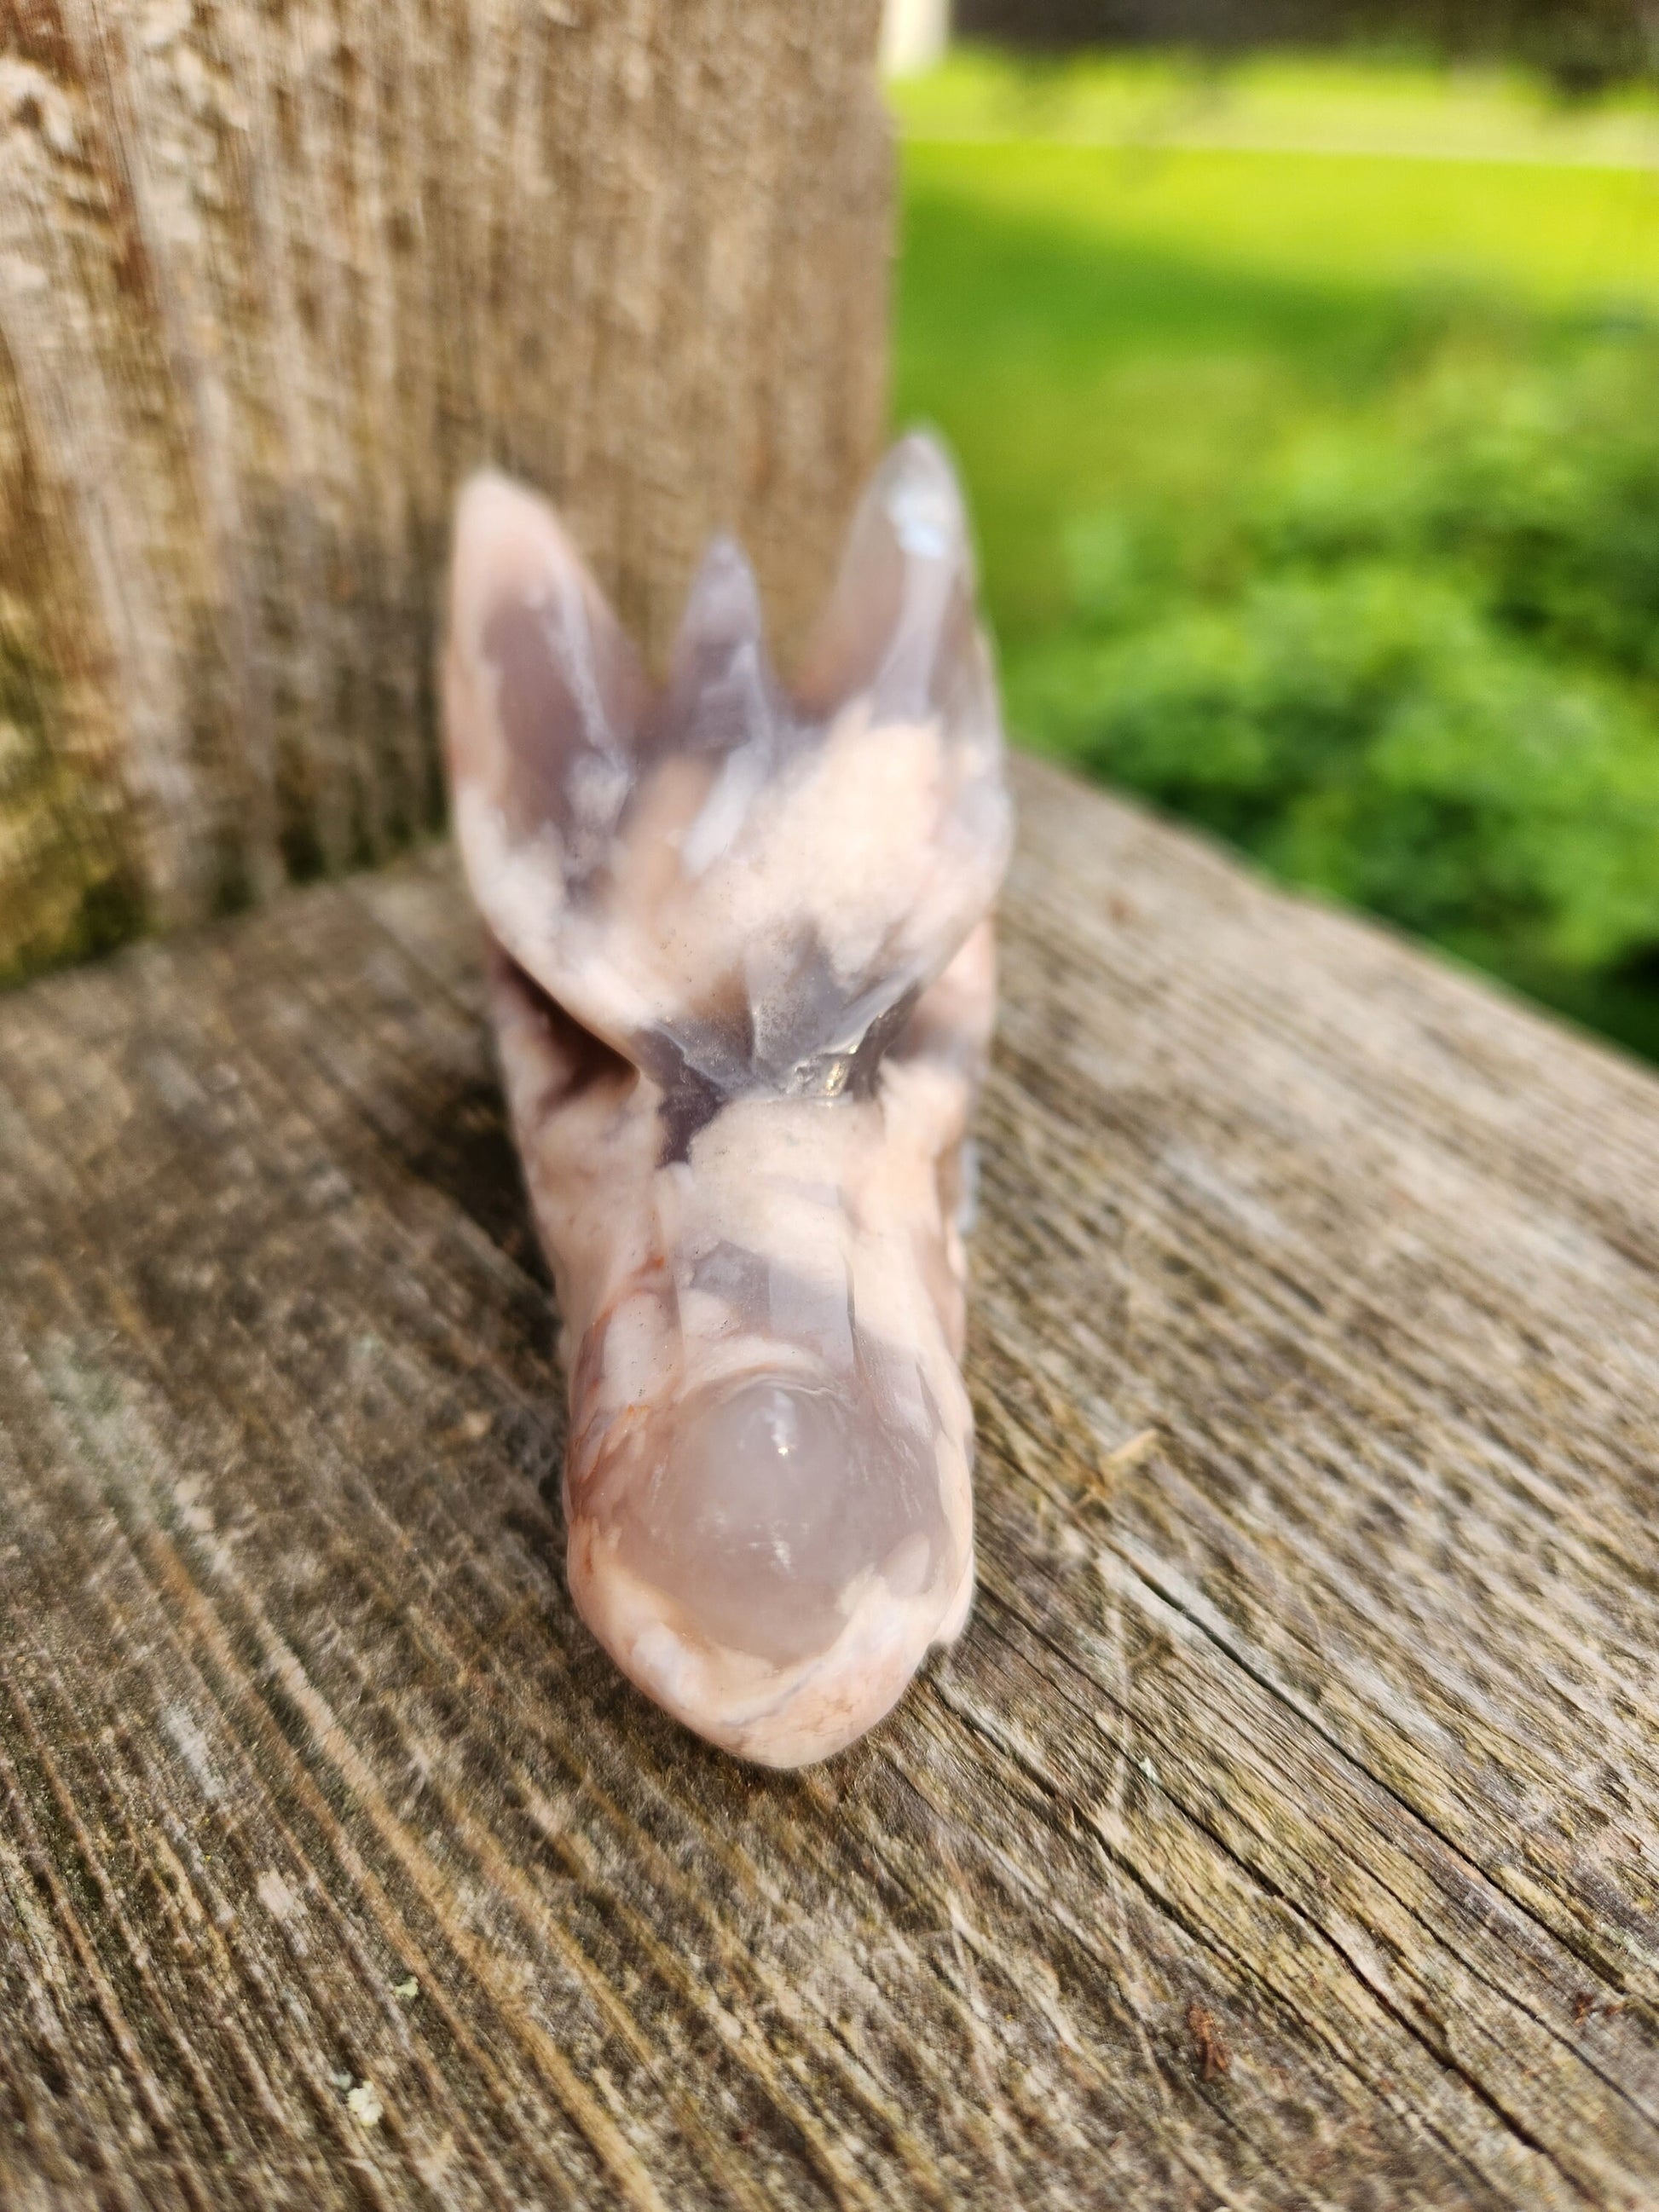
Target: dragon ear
[[900, 629], [721, 697], [543, 693]]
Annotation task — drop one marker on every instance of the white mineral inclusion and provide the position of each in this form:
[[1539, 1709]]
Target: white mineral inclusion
[[743, 984]]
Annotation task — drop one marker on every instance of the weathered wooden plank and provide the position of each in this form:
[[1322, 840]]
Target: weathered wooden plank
[[1282, 1833]]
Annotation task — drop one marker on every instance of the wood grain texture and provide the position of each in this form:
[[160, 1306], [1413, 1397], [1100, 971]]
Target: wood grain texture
[[273, 277], [1282, 1833]]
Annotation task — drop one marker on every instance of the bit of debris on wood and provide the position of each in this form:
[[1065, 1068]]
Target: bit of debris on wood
[[274, 1893], [409, 1988], [364, 2105], [1213, 2055]]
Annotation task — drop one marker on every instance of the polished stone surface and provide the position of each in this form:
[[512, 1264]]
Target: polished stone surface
[[744, 982]]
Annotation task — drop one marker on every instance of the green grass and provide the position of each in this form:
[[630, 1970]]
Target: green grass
[[1243, 426], [1276, 102]]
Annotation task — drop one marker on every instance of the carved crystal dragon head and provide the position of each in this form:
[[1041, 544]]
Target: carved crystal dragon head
[[742, 986]]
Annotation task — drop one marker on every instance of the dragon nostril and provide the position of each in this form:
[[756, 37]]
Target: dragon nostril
[[771, 1503]]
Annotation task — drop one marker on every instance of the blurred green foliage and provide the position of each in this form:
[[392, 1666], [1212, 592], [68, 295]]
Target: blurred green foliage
[[1413, 664], [1582, 46], [1359, 572]]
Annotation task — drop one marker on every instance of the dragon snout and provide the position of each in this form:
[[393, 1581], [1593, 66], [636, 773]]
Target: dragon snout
[[769, 1507], [775, 1560]]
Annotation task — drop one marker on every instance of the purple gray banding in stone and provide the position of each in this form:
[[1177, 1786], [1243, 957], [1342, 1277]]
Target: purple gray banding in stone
[[743, 982]]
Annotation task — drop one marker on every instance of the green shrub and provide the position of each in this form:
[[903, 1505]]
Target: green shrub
[[1543, 487], [1413, 664]]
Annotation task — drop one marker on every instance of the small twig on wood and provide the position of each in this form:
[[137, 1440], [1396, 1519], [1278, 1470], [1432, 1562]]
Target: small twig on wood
[[1106, 1470], [1213, 2055], [1140, 1446]]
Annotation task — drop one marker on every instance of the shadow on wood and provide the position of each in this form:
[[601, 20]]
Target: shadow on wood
[[1282, 1831]]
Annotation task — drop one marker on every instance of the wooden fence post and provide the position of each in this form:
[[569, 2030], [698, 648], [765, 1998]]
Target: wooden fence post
[[272, 278]]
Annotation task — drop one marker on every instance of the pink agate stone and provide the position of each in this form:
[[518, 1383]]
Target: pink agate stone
[[743, 985]]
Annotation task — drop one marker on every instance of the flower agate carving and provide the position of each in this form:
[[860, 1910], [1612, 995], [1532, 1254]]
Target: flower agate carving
[[742, 977]]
